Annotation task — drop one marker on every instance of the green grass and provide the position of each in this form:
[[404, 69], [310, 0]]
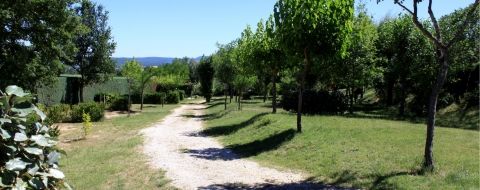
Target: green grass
[[111, 157], [368, 153]]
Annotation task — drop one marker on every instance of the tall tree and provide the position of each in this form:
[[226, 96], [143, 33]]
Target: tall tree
[[442, 43], [36, 36], [318, 28], [206, 72], [359, 68], [223, 66], [95, 46], [133, 71]]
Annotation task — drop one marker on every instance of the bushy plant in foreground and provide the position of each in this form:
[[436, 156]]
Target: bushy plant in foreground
[[28, 156]]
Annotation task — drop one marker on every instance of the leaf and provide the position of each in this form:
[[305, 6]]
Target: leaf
[[3, 120], [23, 112], [36, 183], [20, 185], [15, 90], [53, 157], [15, 165], [56, 173], [20, 137], [4, 134], [40, 113], [34, 151], [40, 140], [34, 170]]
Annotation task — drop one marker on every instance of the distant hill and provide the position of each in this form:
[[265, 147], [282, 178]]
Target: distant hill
[[148, 61]]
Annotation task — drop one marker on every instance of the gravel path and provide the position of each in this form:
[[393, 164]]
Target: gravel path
[[194, 161]]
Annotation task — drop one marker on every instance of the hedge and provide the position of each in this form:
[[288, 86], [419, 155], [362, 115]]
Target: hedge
[[315, 102]]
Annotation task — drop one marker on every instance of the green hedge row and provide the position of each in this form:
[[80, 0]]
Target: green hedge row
[[66, 89]]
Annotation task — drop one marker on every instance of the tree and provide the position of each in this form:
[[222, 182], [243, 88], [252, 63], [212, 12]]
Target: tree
[[442, 43], [133, 71], [145, 78], [224, 68], [359, 68], [95, 46], [309, 28], [36, 37], [205, 74]]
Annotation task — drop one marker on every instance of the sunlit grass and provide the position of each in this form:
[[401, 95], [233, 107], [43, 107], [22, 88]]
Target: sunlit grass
[[111, 157], [345, 151]]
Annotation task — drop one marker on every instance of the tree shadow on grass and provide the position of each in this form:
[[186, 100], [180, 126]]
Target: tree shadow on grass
[[373, 181], [229, 129], [243, 150], [258, 146], [307, 184]]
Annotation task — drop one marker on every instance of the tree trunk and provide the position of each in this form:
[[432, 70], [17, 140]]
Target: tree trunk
[[80, 92], [129, 99], [300, 90], [351, 95], [240, 100], [428, 163], [274, 91], [141, 101], [163, 99], [390, 85], [401, 107], [225, 92]]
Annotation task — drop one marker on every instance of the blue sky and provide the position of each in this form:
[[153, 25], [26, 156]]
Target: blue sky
[[177, 28]]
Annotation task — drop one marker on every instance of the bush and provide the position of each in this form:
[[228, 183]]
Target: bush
[[173, 97], [59, 113], [28, 155], [315, 102], [95, 110], [119, 104]]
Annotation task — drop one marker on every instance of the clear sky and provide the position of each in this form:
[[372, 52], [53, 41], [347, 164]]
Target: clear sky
[[178, 28]]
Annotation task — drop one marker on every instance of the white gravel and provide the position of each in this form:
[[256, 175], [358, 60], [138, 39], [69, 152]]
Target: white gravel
[[193, 161]]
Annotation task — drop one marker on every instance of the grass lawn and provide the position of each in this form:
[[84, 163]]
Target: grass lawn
[[111, 157], [357, 152]]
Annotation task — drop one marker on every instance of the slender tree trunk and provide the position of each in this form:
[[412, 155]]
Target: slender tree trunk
[[163, 99], [129, 99], [390, 85], [351, 95], [80, 93], [401, 107], [239, 96], [274, 91], [141, 101], [225, 92], [301, 87], [428, 163]]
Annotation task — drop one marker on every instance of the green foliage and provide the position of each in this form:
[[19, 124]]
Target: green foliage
[[94, 110], [86, 124], [58, 113], [132, 70], [119, 103], [172, 97], [315, 102], [28, 154], [36, 37], [94, 46], [66, 91], [205, 72]]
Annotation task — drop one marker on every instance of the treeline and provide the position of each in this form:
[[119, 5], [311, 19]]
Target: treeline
[[322, 56], [40, 40]]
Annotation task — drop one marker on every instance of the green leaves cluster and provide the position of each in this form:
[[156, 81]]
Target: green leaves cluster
[[28, 156]]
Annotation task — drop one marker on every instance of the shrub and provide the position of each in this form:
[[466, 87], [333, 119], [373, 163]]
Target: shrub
[[173, 97], [315, 102], [59, 113], [87, 124], [119, 104], [28, 155], [95, 110]]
